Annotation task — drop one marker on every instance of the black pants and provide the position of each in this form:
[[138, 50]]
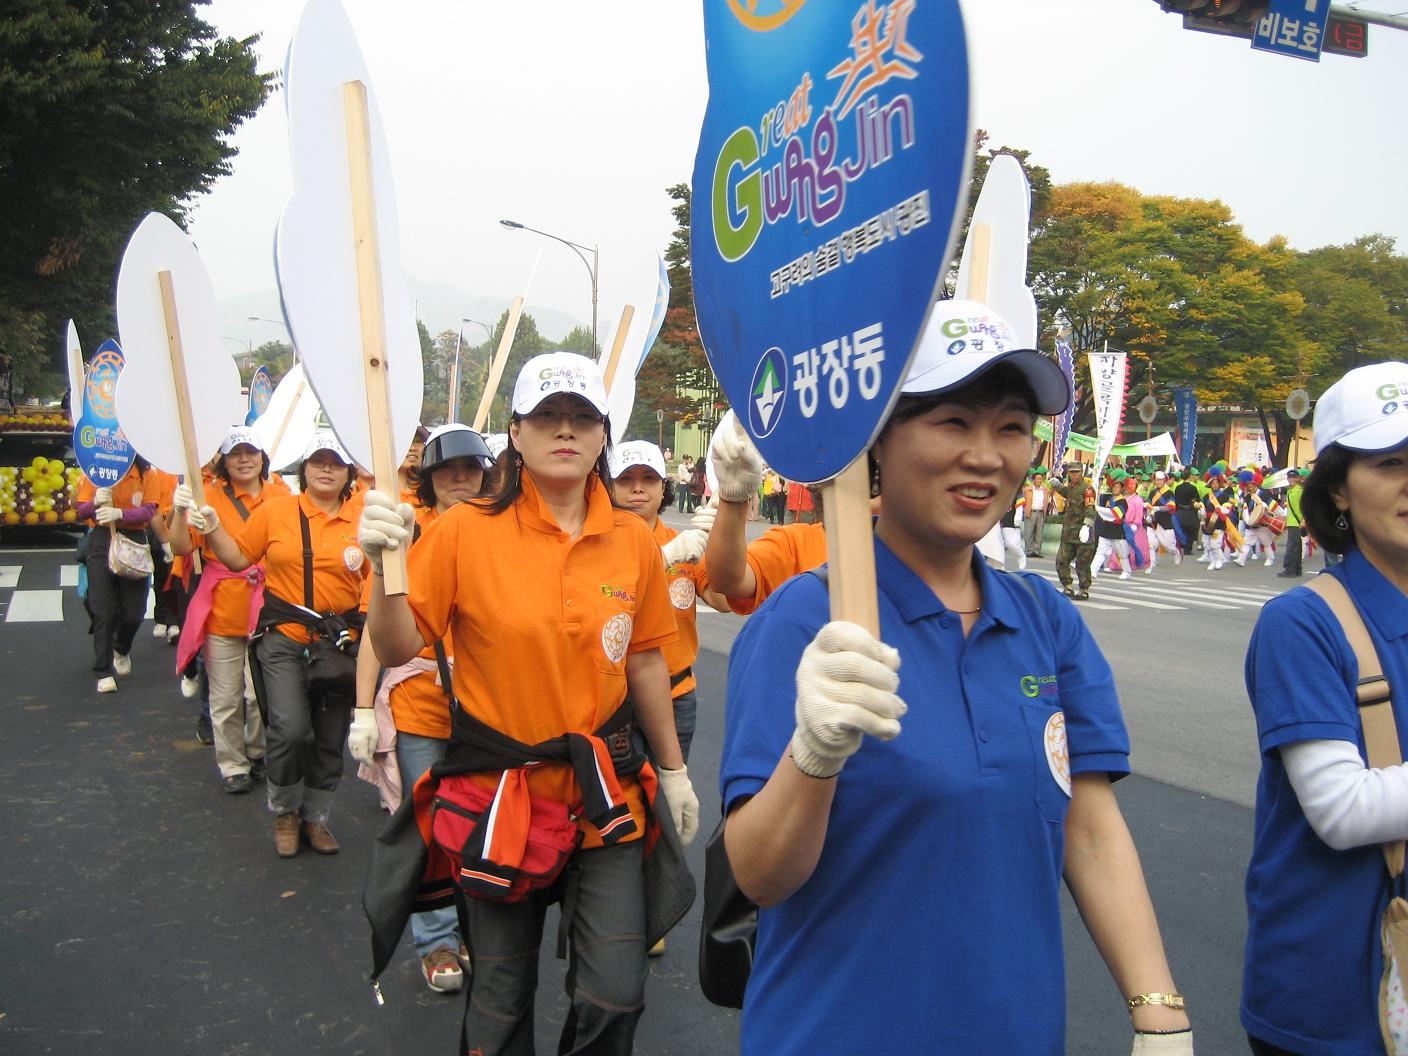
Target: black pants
[[116, 602], [1291, 562], [1264, 1048], [165, 602]]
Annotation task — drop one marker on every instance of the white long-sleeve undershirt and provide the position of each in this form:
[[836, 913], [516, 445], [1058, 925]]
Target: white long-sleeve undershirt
[[1347, 803]]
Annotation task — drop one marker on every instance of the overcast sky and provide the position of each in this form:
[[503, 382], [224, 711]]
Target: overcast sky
[[574, 115]]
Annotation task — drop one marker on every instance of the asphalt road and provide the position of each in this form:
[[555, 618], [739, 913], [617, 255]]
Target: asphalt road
[[145, 911]]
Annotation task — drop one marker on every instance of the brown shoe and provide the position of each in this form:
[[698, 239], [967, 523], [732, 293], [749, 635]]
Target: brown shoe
[[319, 838], [286, 834]]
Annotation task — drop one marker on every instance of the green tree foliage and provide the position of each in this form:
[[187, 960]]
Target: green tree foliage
[[1356, 304], [107, 112], [278, 356]]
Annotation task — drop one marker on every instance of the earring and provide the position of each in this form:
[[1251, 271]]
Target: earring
[[1342, 522], [518, 462]]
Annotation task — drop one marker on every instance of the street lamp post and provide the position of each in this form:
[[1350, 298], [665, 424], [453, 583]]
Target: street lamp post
[[577, 248], [454, 410]]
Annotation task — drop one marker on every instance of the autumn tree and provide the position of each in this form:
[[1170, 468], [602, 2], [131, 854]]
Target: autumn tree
[[107, 112]]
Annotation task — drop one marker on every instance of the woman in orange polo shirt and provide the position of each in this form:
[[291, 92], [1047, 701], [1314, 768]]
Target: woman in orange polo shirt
[[640, 484], [452, 465], [557, 605], [222, 612], [305, 731], [117, 603]]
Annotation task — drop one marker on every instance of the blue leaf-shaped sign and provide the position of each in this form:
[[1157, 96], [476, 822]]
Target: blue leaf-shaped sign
[[832, 162]]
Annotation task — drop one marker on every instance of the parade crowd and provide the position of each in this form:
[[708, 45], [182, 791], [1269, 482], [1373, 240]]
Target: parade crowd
[[526, 707]]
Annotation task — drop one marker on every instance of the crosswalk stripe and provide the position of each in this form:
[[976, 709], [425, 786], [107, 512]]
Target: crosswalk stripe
[[1196, 595], [1124, 600], [9, 575], [1173, 593], [68, 576], [35, 606]]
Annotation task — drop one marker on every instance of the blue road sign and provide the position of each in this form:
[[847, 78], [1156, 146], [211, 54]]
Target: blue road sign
[[1293, 27]]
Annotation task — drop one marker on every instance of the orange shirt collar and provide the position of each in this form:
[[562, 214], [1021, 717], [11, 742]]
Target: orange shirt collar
[[532, 510], [312, 511]]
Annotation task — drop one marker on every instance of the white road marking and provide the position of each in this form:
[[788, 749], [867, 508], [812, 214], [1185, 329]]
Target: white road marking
[[68, 575], [36, 606], [9, 576]]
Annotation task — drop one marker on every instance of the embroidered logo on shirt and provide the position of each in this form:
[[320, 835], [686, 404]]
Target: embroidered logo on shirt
[[682, 592], [615, 636], [619, 593], [1038, 686], [353, 557], [1058, 756]]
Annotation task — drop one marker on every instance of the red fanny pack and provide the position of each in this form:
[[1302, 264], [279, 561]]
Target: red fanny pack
[[502, 843]]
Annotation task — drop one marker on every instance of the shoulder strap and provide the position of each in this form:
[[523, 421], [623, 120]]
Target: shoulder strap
[[446, 678], [238, 504], [307, 557], [1373, 694]]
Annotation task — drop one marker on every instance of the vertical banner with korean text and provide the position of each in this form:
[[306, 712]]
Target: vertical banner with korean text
[[99, 445], [832, 162], [1067, 359], [1108, 376], [1185, 407]]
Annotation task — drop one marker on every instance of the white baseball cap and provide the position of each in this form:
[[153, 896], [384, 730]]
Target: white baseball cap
[[553, 372], [241, 435], [1366, 410], [496, 442], [636, 453], [326, 441], [963, 339]]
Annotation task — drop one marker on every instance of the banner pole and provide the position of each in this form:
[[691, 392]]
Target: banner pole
[[496, 369], [371, 306]]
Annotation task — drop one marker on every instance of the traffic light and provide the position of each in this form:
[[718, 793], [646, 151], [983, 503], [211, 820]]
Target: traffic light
[[1236, 12]]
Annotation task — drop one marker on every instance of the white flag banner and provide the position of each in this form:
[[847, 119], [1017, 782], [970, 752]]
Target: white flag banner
[[1108, 378]]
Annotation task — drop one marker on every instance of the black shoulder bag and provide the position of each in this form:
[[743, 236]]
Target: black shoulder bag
[[332, 654]]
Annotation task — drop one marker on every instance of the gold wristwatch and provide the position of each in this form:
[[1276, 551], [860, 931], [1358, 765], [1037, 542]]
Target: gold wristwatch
[[1169, 1000]]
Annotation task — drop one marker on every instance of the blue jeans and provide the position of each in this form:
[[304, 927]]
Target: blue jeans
[[415, 755], [685, 708]]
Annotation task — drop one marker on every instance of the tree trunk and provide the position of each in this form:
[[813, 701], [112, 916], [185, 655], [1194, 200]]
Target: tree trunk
[[1273, 447]]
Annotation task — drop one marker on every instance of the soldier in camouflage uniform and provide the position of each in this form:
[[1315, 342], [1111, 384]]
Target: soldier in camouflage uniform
[[1079, 496]]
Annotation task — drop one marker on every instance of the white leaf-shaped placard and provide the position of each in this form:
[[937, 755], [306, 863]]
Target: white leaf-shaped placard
[[1004, 205], [290, 420], [146, 389], [314, 251], [73, 361], [644, 295]]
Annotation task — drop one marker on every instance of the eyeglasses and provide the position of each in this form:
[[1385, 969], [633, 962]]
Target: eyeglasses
[[580, 421]]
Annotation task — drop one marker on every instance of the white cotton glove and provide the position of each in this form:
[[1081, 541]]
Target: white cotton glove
[[737, 464], [362, 736], [102, 497], [846, 686], [1084, 536], [204, 520], [684, 804], [107, 515], [687, 548], [703, 518], [1179, 1043], [385, 525], [166, 552], [183, 498]]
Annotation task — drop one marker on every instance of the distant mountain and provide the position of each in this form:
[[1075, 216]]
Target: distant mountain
[[438, 304]]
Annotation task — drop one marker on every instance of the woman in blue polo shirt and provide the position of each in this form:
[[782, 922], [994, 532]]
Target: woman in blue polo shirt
[[1317, 884], [910, 879]]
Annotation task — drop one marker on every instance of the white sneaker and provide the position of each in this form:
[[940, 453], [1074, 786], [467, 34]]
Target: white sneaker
[[1124, 574], [1178, 558], [121, 664], [1241, 560], [173, 635], [1149, 571], [107, 684], [189, 687], [1270, 561], [159, 630], [1202, 559]]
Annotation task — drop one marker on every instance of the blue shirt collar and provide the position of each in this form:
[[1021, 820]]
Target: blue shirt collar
[[1380, 601], [914, 599]]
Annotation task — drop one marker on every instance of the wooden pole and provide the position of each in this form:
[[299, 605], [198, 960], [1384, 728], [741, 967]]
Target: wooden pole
[[372, 308], [288, 414], [850, 549], [980, 240], [496, 369], [613, 361], [182, 385]]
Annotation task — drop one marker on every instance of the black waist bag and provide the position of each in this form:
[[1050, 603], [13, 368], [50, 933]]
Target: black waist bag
[[332, 654]]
